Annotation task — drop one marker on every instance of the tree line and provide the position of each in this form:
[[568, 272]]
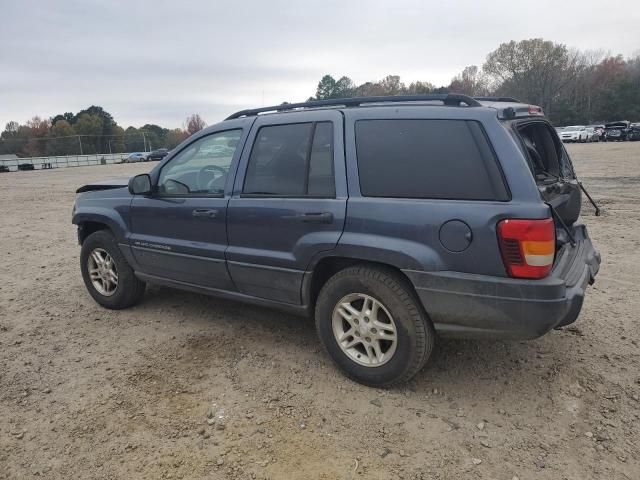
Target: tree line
[[92, 130], [572, 86]]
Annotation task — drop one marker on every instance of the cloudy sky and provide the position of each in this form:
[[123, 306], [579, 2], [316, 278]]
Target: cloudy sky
[[159, 61]]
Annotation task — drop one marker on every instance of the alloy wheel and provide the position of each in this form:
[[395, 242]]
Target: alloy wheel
[[102, 272], [364, 330]]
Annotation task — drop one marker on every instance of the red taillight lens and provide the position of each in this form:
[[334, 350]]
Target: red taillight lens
[[527, 246]]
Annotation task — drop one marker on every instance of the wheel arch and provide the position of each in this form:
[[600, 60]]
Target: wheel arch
[[93, 221], [329, 265]]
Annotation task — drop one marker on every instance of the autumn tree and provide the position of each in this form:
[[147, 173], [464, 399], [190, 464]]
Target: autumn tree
[[535, 70], [471, 81], [194, 123], [174, 137]]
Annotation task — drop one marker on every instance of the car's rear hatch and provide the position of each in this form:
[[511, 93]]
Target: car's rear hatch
[[576, 260], [552, 169]]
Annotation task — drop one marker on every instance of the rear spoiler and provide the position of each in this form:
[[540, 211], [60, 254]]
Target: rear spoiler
[[509, 108], [509, 113]]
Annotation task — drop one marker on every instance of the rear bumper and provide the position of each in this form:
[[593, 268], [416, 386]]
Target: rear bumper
[[478, 306]]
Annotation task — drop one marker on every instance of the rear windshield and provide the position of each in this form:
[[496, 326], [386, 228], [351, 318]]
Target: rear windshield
[[445, 159], [545, 153]]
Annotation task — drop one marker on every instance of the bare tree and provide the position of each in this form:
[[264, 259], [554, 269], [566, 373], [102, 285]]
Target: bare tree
[[194, 123], [471, 81], [534, 70]]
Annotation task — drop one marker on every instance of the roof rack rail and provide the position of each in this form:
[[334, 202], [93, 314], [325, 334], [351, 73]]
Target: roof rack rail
[[497, 99], [449, 99]]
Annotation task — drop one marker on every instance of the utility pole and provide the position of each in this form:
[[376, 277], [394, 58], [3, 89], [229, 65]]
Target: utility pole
[[80, 142], [144, 142]]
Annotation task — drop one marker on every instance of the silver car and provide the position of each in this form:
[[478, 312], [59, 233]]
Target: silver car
[[136, 157]]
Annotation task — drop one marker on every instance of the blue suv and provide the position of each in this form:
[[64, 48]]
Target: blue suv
[[393, 220]]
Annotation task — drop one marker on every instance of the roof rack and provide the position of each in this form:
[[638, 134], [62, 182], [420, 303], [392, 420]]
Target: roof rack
[[449, 99], [497, 99]]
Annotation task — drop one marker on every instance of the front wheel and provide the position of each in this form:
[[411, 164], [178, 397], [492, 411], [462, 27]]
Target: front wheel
[[373, 326], [106, 274]]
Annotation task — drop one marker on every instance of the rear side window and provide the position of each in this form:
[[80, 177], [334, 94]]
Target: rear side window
[[447, 159], [292, 160]]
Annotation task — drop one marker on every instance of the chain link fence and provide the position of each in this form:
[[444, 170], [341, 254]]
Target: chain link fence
[[43, 163]]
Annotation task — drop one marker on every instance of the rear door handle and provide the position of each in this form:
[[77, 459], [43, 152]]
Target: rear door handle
[[204, 212], [317, 217]]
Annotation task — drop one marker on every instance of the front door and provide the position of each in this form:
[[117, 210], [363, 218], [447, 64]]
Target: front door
[[288, 203], [179, 232]]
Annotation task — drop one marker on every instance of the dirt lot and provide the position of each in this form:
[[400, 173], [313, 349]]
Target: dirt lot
[[91, 393]]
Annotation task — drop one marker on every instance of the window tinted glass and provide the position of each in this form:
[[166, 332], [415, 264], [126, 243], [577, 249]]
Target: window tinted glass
[[286, 161], [426, 159], [321, 179], [202, 167]]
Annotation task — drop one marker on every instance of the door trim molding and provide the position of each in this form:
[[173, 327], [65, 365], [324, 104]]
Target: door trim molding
[[300, 310]]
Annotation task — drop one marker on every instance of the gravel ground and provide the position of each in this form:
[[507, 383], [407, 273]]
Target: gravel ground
[[187, 386]]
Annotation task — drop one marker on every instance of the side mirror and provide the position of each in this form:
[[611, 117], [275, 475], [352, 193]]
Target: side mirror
[[140, 184]]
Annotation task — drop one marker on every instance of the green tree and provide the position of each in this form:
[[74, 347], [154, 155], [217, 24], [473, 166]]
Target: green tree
[[62, 141], [175, 137], [90, 127], [100, 143]]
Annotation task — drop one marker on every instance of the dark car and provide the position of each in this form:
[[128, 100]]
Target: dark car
[[392, 220], [633, 133], [26, 166], [158, 154], [616, 131]]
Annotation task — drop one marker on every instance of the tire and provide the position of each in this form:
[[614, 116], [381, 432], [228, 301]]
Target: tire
[[128, 290], [414, 333]]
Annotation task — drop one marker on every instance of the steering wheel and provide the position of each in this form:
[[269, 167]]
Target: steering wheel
[[209, 170]]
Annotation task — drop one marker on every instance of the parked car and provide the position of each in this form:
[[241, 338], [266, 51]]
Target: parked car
[[4, 169], [633, 133], [575, 133], [462, 222], [593, 135], [26, 166], [136, 157], [599, 130], [158, 154], [616, 131]]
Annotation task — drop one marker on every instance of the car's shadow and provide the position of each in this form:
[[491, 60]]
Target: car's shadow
[[456, 367]]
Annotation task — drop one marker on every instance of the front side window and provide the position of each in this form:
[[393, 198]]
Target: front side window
[[292, 160], [447, 159], [202, 167]]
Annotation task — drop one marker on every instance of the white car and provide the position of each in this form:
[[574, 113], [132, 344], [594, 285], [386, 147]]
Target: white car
[[576, 133]]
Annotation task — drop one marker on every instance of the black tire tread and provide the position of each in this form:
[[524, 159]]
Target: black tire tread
[[133, 287], [424, 334]]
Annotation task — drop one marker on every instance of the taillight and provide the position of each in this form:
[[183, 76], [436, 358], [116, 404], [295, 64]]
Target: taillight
[[527, 246]]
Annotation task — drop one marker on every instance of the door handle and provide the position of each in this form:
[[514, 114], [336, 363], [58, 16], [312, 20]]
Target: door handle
[[204, 212], [319, 217]]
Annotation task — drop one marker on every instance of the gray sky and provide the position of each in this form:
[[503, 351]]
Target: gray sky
[[159, 61]]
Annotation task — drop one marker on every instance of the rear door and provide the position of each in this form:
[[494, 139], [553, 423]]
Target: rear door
[[288, 204]]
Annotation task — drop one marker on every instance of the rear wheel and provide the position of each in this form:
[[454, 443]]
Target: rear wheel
[[373, 326], [106, 274]]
